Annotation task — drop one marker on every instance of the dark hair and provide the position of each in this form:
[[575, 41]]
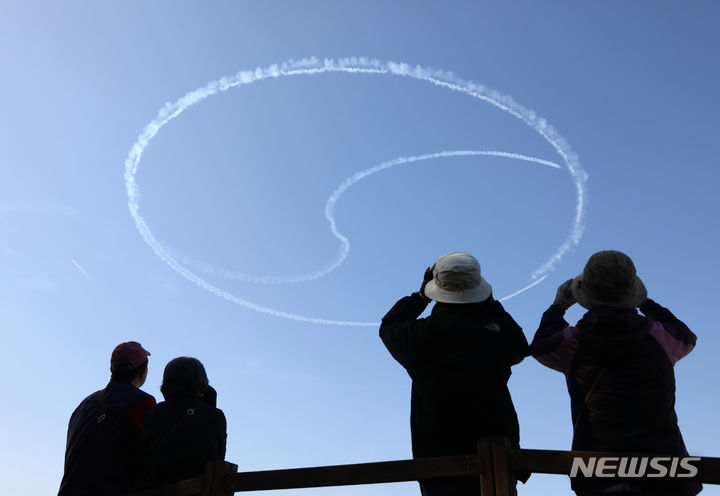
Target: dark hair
[[184, 376], [127, 373]]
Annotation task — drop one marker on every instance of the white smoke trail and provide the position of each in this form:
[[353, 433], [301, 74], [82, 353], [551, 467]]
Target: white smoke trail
[[313, 66], [84, 272], [522, 290], [330, 216]]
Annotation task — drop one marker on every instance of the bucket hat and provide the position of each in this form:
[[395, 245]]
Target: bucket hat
[[609, 280], [457, 279]]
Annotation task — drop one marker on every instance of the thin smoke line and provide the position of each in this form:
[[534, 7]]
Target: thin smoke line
[[84, 272], [311, 66], [522, 290]]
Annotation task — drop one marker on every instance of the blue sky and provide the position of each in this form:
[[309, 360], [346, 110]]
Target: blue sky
[[239, 182]]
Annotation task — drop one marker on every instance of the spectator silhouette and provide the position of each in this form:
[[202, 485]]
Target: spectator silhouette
[[619, 370], [459, 359], [103, 440], [184, 432]]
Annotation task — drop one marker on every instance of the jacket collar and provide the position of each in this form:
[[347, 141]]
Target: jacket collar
[[486, 306]]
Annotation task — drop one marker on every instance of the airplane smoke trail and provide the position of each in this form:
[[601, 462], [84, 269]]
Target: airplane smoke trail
[[312, 66], [522, 290], [84, 272], [330, 216]]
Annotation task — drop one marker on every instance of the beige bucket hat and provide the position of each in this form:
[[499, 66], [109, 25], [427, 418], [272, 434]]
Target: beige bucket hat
[[609, 280], [457, 279]]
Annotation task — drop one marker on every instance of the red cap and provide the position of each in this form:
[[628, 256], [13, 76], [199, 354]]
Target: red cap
[[131, 353]]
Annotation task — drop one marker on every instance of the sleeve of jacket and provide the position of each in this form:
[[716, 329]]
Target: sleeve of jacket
[[554, 344], [673, 335], [397, 329], [222, 435], [515, 342]]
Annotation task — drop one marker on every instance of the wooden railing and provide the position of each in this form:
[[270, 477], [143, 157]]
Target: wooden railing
[[494, 464]]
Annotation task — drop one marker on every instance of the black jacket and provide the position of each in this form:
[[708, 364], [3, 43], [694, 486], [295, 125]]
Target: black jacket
[[459, 359], [102, 459], [629, 358], [180, 436]]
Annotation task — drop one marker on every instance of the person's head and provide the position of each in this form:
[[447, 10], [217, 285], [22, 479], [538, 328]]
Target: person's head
[[609, 280], [457, 279], [184, 376], [129, 362]]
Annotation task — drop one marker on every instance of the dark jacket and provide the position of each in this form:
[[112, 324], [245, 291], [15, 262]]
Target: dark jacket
[[632, 406], [459, 360], [180, 436], [102, 458]]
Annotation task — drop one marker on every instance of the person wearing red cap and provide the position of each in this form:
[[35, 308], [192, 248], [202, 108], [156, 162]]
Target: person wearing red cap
[[103, 441]]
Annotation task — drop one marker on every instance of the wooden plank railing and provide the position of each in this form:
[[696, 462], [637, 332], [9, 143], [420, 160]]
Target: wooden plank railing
[[494, 464]]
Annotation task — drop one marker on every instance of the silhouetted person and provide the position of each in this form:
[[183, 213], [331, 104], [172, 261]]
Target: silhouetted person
[[619, 370], [459, 359], [184, 432], [102, 457]]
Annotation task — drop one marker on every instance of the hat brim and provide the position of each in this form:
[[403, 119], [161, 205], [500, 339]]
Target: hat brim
[[479, 293], [632, 299]]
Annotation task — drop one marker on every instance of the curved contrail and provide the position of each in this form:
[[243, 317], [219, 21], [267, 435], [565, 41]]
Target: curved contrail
[[311, 66], [330, 216]]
